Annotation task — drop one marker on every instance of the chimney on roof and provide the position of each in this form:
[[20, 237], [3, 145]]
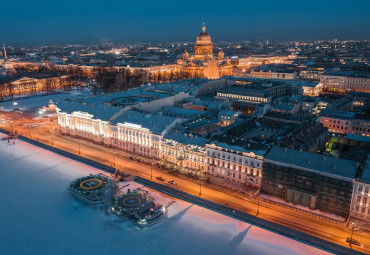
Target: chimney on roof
[[249, 145], [285, 149]]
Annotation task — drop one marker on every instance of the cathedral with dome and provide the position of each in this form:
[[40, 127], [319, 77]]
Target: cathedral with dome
[[203, 64]]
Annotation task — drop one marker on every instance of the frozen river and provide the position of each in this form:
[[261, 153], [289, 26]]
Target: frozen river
[[39, 216]]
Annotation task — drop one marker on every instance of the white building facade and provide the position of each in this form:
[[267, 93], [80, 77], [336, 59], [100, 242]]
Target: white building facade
[[187, 158], [238, 166], [360, 207]]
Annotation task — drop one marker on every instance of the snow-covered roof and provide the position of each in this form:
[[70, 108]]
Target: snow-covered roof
[[335, 167], [366, 173], [182, 112], [186, 139], [155, 123], [99, 111], [227, 142]]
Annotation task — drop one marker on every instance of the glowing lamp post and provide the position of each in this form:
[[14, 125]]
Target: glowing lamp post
[[200, 186], [350, 241]]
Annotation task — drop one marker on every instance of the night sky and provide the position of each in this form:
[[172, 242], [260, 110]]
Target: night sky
[[37, 22]]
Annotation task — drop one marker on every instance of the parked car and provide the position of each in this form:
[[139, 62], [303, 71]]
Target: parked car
[[171, 182], [160, 178], [353, 241]]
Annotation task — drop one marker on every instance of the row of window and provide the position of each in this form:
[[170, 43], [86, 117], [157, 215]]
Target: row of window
[[363, 209], [223, 156], [366, 189], [364, 200], [231, 174]]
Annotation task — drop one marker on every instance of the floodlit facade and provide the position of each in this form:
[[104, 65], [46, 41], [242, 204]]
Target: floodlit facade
[[233, 162], [184, 152], [344, 84]]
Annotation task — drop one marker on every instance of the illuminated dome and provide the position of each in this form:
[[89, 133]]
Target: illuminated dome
[[204, 37]]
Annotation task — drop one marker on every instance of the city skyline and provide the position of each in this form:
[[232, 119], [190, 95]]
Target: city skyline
[[121, 22]]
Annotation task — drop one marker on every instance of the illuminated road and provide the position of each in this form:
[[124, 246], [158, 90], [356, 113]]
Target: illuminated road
[[41, 130]]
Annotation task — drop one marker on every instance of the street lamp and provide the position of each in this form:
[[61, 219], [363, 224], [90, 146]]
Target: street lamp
[[353, 226], [200, 186], [151, 171], [114, 161], [52, 140], [79, 148], [258, 208]]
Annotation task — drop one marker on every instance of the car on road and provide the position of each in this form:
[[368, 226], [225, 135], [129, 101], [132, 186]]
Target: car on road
[[171, 182], [160, 178], [353, 241]]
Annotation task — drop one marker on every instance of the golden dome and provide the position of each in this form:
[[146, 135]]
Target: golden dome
[[204, 37]]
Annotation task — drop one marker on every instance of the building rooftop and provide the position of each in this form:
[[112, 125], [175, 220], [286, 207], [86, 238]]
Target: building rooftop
[[337, 114], [366, 173], [99, 111], [236, 90], [351, 74], [334, 167], [155, 123], [185, 139], [241, 145], [181, 112]]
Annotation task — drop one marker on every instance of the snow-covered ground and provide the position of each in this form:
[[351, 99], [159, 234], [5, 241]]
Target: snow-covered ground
[[39, 216], [41, 100]]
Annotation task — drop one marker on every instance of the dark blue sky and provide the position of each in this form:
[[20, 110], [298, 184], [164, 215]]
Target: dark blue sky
[[25, 22]]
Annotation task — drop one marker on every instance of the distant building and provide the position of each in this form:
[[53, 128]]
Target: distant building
[[311, 75], [32, 83], [312, 89], [274, 75], [227, 117], [342, 122], [344, 82]]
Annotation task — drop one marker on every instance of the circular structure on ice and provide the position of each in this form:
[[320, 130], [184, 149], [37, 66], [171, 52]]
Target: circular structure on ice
[[130, 202], [94, 188], [139, 208], [91, 184]]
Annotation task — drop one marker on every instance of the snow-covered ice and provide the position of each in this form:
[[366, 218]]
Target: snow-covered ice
[[39, 216], [41, 100]]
